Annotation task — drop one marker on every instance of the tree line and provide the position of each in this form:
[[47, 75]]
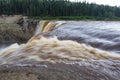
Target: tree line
[[55, 8]]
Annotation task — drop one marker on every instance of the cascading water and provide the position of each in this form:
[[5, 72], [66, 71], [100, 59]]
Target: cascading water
[[52, 49], [98, 34], [45, 26], [61, 56], [39, 48], [40, 26]]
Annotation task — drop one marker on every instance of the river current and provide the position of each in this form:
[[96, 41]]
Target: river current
[[104, 35]]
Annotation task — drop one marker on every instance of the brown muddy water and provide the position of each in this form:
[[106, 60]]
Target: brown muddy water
[[104, 35], [47, 58]]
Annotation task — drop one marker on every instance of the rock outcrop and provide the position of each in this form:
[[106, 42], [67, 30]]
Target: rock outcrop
[[16, 28]]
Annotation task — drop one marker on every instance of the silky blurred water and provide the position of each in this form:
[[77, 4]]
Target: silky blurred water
[[2, 46], [99, 34], [104, 35]]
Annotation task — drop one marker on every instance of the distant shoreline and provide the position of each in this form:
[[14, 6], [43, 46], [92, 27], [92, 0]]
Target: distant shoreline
[[76, 18]]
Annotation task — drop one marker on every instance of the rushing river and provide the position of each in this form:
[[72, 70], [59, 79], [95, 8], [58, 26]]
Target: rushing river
[[99, 34], [2, 46], [77, 61]]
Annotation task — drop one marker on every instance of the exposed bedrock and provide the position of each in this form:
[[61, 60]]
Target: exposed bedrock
[[16, 28]]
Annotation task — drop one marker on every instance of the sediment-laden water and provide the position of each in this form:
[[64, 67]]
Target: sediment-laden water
[[47, 54], [99, 34]]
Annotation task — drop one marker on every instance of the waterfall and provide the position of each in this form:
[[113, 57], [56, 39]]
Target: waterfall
[[39, 48], [40, 26], [52, 49], [45, 25]]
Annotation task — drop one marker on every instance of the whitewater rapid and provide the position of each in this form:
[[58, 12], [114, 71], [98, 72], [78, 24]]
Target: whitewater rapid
[[43, 46], [103, 35]]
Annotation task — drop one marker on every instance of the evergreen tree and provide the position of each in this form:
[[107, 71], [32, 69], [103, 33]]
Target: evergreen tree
[[57, 8]]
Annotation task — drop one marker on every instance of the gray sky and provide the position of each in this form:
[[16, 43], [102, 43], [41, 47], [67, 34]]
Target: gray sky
[[108, 2]]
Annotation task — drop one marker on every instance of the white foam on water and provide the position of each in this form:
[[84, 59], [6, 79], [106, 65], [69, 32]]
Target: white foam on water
[[52, 49], [39, 48]]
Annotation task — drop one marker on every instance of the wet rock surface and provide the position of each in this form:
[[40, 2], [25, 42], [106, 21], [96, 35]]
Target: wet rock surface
[[79, 70]]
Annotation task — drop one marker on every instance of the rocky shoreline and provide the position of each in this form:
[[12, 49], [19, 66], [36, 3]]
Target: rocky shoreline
[[16, 28]]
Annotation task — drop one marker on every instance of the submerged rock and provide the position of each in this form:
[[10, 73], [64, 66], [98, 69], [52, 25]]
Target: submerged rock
[[83, 70]]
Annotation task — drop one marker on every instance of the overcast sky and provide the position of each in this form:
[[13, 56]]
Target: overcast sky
[[105, 2]]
